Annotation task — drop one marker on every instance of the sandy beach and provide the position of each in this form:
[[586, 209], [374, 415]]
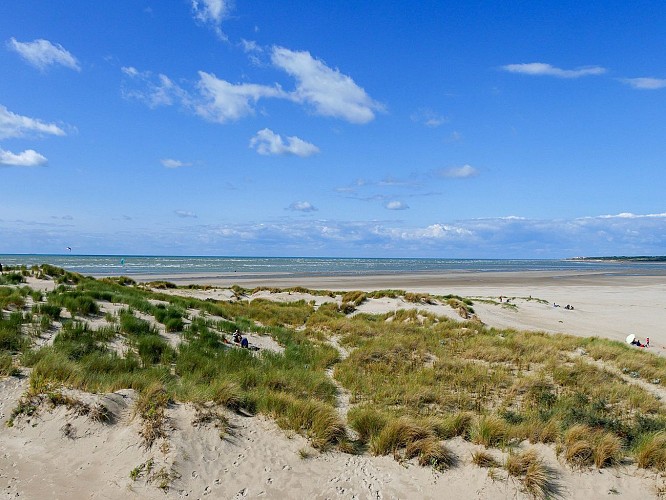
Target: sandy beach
[[605, 305], [58, 454]]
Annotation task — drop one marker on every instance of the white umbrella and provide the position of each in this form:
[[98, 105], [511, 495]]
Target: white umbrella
[[630, 338]]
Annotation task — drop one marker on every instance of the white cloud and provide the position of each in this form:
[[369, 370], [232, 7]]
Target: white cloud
[[542, 69], [645, 83], [218, 100], [224, 101], [28, 158], [42, 54], [329, 91], [157, 90], [629, 215], [459, 172], [428, 118], [13, 125], [250, 46], [396, 205], [185, 214], [268, 142], [302, 206], [212, 13], [210, 10], [170, 163]]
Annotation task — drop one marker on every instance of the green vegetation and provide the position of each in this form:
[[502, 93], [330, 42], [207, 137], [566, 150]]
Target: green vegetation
[[415, 379]]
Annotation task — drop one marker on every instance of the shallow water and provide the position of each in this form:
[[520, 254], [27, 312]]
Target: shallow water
[[115, 265]]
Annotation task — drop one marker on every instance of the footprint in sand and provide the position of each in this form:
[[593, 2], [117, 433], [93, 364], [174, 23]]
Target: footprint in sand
[[241, 494]]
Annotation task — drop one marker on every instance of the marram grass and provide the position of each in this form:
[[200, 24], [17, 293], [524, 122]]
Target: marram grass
[[415, 379]]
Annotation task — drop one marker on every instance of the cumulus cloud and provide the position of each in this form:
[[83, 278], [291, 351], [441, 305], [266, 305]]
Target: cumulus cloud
[[302, 206], [326, 90], [224, 101], [42, 54], [330, 92], [543, 69], [185, 214], [13, 125], [459, 172], [396, 205], [498, 237], [645, 83], [267, 142], [171, 163], [28, 158]]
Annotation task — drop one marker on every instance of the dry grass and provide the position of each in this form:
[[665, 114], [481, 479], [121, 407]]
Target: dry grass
[[398, 434], [150, 406], [417, 377], [366, 422], [535, 475], [584, 446], [650, 451], [489, 430], [449, 426], [484, 459], [607, 450], [431, 451], [578, 449]]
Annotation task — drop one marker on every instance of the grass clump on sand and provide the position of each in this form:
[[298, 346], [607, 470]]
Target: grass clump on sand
[[151, 406], [536, 477], [584, 446], [650, 451], [484, 459], [432, 452]]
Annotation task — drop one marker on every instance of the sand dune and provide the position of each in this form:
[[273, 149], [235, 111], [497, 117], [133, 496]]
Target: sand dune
[[57, 453]]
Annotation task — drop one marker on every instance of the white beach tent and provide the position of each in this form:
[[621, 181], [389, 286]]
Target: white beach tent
[[630, 338]]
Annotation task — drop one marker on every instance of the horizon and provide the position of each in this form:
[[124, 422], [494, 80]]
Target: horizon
[[211, 127], [577, 257]]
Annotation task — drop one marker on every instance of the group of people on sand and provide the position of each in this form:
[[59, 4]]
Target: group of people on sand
[[238, 339], [637, 342], [568, 307]]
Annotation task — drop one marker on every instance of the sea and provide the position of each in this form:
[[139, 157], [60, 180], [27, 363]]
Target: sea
[[128, 265]]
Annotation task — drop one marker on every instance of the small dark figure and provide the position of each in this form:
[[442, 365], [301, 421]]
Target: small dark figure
[[237, 337], [647, 342], [0, 267], [244, 343]]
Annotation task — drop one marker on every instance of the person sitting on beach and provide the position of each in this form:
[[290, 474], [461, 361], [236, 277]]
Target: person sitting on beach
[[637, 343], [237, 337], [647, 342], [244, 343]]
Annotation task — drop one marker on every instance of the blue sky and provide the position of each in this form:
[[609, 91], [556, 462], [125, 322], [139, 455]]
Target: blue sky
[[311, 128]]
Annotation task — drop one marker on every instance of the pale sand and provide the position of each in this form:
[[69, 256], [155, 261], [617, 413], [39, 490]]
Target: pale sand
[[258, 460]]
